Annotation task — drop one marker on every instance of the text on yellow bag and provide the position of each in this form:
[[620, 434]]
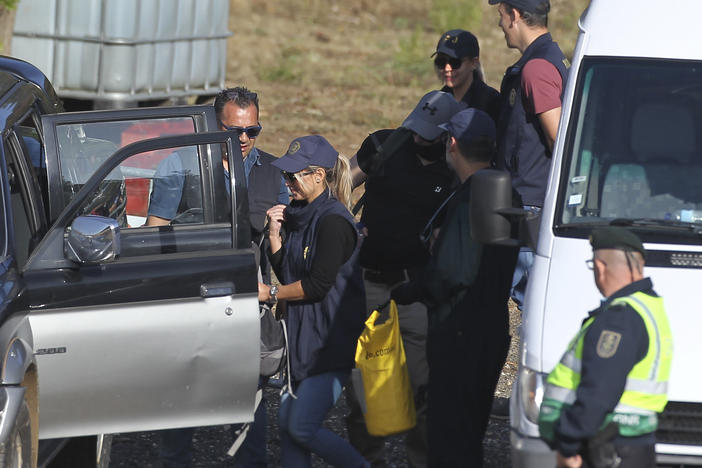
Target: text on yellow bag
[[380, 356]]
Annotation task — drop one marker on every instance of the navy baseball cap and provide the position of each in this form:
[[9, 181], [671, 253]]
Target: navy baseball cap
[[470, 124], [434, 109], [458, 43], [525, 5], [312, 150]]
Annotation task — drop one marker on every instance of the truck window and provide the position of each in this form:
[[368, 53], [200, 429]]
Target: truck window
[[83, 147], [32, 145], [632, 152], [165, 184], [27, 222]]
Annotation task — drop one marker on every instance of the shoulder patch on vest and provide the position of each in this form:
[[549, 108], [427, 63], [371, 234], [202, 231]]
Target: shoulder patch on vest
[[512, 97], [608, 343]]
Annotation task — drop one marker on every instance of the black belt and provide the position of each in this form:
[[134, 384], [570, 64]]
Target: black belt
[[386, 276]]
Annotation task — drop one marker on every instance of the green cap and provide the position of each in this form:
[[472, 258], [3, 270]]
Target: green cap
[[614, 237]]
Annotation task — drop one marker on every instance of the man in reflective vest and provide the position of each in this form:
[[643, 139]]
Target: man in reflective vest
[[601, 402]]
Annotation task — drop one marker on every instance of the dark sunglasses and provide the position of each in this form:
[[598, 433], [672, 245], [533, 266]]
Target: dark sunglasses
[[291, 176], [440, 62], [251, 132]]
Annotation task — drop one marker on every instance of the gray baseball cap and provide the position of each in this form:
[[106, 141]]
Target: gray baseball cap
[[435, 108]]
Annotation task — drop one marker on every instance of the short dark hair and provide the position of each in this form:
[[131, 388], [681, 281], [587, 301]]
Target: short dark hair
[[538, 18], [480, 149], [240, 96]]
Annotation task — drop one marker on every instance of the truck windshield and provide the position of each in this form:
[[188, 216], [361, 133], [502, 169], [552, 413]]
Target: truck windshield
[[632, 154]]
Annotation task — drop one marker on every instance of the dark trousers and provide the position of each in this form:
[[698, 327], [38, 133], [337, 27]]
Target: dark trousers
[[465, 362], [253, 452], [176, 449], [634, 456]]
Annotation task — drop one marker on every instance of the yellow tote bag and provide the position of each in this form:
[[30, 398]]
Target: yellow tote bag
[[380, 356]]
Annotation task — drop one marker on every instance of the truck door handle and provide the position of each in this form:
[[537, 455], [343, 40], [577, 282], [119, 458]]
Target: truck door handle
[[225, 288]]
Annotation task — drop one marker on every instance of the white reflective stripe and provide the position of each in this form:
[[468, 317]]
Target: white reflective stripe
[[564, 395], [646, 386], [622, 408], [657, 358], [571, 361]]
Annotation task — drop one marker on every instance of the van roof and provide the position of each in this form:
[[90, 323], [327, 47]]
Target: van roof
[[642, 29]]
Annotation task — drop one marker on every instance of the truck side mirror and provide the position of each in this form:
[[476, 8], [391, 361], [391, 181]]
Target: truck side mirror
[[493, 217], [490, 195], [92, 239]]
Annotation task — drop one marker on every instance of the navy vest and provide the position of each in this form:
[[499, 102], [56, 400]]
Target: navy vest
[[322, 335], [263, 189], [522, 150]]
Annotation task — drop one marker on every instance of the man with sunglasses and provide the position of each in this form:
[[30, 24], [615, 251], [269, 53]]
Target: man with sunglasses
[[465, 287], [457, 65], [406, 179], [237, 111]]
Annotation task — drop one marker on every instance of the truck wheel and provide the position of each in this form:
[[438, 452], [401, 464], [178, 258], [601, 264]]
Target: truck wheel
[[84, 452], [16, 452]]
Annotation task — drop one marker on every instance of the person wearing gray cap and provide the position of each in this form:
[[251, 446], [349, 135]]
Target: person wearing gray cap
[[465, 286], [457, 64], [406, 180], [531, 93], [601, 402]]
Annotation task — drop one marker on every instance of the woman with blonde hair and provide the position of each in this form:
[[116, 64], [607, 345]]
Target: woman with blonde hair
[[457, 64], [320, 277]]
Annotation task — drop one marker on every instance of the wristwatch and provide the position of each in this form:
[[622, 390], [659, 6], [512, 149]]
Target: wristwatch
[[273, 292]]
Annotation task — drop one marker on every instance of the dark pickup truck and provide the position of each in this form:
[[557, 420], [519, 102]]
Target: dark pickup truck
[[108, 325]]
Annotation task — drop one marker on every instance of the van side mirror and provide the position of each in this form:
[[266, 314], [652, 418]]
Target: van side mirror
[[493, 217], [92, 239]]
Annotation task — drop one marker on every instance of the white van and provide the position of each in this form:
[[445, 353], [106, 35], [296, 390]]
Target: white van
[[629, 148]]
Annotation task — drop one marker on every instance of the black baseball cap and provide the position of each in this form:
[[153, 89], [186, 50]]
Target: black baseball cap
[[616, 237], [525, 5], [312, 150], [458, 43], [469, 124]]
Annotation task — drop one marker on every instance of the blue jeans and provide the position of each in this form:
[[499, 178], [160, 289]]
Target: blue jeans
[[521, 272], [301, 430]]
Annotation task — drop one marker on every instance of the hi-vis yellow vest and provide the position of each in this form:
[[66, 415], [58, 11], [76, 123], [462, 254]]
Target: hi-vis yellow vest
[[645, 393]]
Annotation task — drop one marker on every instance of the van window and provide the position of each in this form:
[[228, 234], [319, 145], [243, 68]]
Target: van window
[[632, 153]]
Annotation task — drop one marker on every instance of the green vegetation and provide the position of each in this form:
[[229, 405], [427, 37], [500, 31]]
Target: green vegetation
[[445, 15], [409, 64]]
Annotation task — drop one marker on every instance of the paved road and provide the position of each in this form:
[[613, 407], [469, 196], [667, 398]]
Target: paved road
[[140, 450]]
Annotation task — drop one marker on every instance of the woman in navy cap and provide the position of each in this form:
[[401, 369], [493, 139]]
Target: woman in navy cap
[[320, 277], [457, 64]]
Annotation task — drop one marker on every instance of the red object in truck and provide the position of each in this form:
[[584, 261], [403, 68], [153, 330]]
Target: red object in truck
[[138, 189]]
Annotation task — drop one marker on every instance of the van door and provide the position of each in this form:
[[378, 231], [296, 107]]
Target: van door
[[167, 334]]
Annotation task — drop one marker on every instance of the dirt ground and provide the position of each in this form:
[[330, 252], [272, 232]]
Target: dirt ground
[[346, 68]]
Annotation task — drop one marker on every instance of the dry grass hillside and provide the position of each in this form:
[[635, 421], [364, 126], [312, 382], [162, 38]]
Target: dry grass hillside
[[345, 68]]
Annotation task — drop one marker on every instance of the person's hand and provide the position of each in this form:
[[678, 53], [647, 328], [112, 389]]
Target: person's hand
[[276, 217], [576, 461], [405, 293], [264, 292]]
